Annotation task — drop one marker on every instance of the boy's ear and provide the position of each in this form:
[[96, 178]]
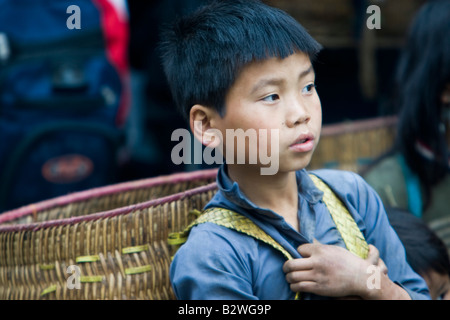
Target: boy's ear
[[202, 121]]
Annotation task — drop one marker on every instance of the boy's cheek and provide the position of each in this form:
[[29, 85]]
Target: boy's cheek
[[252, 146]]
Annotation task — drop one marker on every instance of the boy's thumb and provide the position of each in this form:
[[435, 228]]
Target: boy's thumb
[[374, 255]]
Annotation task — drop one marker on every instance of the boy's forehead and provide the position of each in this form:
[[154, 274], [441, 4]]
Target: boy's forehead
[[269, 68]]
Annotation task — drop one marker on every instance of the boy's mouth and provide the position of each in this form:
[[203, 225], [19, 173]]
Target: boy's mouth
[[304, 143]]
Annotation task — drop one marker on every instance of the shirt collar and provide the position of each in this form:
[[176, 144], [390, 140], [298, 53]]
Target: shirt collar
[[231, 191]]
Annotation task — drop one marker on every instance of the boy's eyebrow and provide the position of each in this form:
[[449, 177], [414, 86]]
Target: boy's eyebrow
[[266, 82], [306, 72], [277, 82]]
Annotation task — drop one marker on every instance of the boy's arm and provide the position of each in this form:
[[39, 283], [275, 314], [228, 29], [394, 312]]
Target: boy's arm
[[379, 233], [335, 272]]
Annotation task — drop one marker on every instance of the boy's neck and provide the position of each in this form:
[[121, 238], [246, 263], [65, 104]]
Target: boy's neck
[[277, 192]]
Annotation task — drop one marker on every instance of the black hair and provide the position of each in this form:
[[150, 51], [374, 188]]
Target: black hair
[[203, 53], [425, 251], [423, 71]]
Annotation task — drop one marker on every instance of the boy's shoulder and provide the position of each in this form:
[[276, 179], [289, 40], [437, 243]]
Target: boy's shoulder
[[350, 187], [210, 238], [339, 178]]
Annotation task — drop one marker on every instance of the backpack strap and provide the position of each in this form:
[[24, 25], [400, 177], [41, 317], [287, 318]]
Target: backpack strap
[[231, 220], [353, 238]]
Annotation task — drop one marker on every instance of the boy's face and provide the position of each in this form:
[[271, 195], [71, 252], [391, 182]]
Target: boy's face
[[276, 94]]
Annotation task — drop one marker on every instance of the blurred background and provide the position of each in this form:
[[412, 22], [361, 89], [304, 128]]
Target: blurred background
[[81, 108]]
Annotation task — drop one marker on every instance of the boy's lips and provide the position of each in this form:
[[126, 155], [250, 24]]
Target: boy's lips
[[304, 143]]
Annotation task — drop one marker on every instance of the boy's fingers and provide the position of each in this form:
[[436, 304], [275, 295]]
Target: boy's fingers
[[374, 258], [294, 265], [304, 286], [300, 276], [383, 266], [374, 255], [307, 249]]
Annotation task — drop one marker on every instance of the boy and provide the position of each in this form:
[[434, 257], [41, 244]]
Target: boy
[[241, 65]]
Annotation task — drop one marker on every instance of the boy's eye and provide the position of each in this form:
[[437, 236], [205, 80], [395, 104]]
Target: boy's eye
[[271, 98], [309, 88]]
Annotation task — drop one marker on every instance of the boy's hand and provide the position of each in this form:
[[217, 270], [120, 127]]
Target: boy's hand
[[331, 271]]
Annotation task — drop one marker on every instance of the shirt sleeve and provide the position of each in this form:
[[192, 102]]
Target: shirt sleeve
[[210, 267], [375, 225]]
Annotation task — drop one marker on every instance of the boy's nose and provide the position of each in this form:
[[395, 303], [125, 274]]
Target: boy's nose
[[297, 114]]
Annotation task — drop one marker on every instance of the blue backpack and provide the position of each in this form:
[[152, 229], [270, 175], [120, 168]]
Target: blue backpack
[[62, 97]]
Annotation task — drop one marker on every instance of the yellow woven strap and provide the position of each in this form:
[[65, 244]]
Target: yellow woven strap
[[232, 220], [346, 225]]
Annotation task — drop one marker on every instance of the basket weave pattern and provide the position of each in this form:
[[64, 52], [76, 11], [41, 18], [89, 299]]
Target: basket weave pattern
[[116, 236], [352, 145]]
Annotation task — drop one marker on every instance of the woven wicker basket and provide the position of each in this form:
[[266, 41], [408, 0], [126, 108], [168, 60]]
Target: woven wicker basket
[[115, 236], [354, 144]]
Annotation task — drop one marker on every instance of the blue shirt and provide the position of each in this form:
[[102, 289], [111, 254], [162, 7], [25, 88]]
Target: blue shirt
[[219, 263]]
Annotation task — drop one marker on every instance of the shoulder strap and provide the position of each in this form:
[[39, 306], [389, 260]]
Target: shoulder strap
[[346, 225], [231, 220]]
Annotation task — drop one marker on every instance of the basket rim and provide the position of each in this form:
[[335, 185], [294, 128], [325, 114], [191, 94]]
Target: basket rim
[[107, 190], [358, 125]]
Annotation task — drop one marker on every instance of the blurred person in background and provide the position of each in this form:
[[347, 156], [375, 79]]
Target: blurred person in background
[[414, 174], [426, 253]]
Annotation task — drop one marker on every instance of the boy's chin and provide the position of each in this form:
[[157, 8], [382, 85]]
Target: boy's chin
[[295, 164], [274, 167], [283, 169], [291, 168]]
